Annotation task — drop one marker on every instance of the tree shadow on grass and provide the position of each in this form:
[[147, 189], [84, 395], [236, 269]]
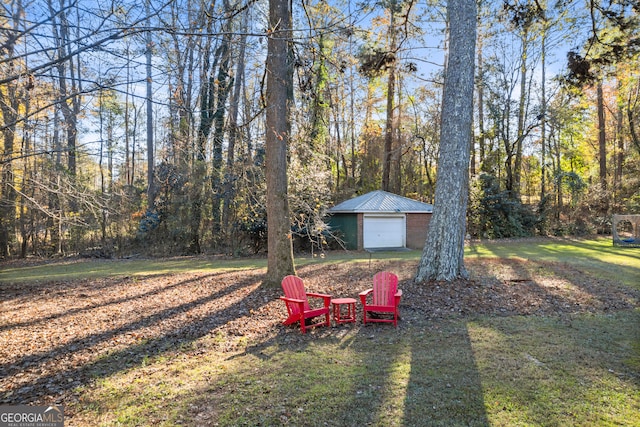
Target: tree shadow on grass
[[563, 348], [425, 372], [624, 251], [416, 374], [340, 376], [545, 371], [432, 370], [444, 387], [585, 253], [75, 290], [51, 375], [518, 287]]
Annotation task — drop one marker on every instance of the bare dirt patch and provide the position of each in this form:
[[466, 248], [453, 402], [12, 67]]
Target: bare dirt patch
[[58, 337]]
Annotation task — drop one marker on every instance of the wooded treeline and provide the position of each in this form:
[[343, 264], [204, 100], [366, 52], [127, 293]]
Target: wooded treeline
[[141, 127]]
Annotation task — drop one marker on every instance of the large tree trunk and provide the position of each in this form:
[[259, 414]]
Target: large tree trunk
[[60, 30], [480, 90], [10, 98], [279, 100], [632, 102], [543, 114], [234, 128], [602, 137], [389, 127], [7, 192], [207, 92], [320, 104], [128, 169], [443, 254], [517, 165], [224, 86], [620, 145], [151, 188]]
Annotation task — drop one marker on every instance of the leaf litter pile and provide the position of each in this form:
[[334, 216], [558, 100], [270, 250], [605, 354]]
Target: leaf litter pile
[[58, 337]]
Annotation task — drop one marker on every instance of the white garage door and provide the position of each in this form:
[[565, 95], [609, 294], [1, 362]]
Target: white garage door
[[383, 231]]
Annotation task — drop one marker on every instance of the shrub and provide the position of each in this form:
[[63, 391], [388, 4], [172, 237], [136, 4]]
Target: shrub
[[493, 213]]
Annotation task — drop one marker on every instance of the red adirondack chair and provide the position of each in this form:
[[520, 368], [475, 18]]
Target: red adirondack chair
[[385, 298], [297, 302]]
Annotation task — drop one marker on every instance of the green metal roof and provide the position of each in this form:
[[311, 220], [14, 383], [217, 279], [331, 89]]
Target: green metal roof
[[381, 202]]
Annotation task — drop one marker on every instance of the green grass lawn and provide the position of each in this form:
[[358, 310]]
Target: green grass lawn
[[597, 256], [486, 372], [554, 370]]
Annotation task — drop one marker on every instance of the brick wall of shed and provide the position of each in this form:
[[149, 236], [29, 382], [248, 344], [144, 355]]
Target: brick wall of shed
[[417, 225]]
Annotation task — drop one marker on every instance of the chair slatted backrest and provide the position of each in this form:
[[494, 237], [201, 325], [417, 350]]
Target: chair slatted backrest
[[293, 287], [385, 286]]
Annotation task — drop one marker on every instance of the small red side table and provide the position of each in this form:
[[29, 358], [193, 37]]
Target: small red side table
[[350, 315]]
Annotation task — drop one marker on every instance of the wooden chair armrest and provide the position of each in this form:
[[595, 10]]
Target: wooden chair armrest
[[326, 299], [397, 297], [363, 296], [316, 295], [298, 301]]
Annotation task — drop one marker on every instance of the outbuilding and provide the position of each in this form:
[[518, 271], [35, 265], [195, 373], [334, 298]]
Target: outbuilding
[[381, 220]]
